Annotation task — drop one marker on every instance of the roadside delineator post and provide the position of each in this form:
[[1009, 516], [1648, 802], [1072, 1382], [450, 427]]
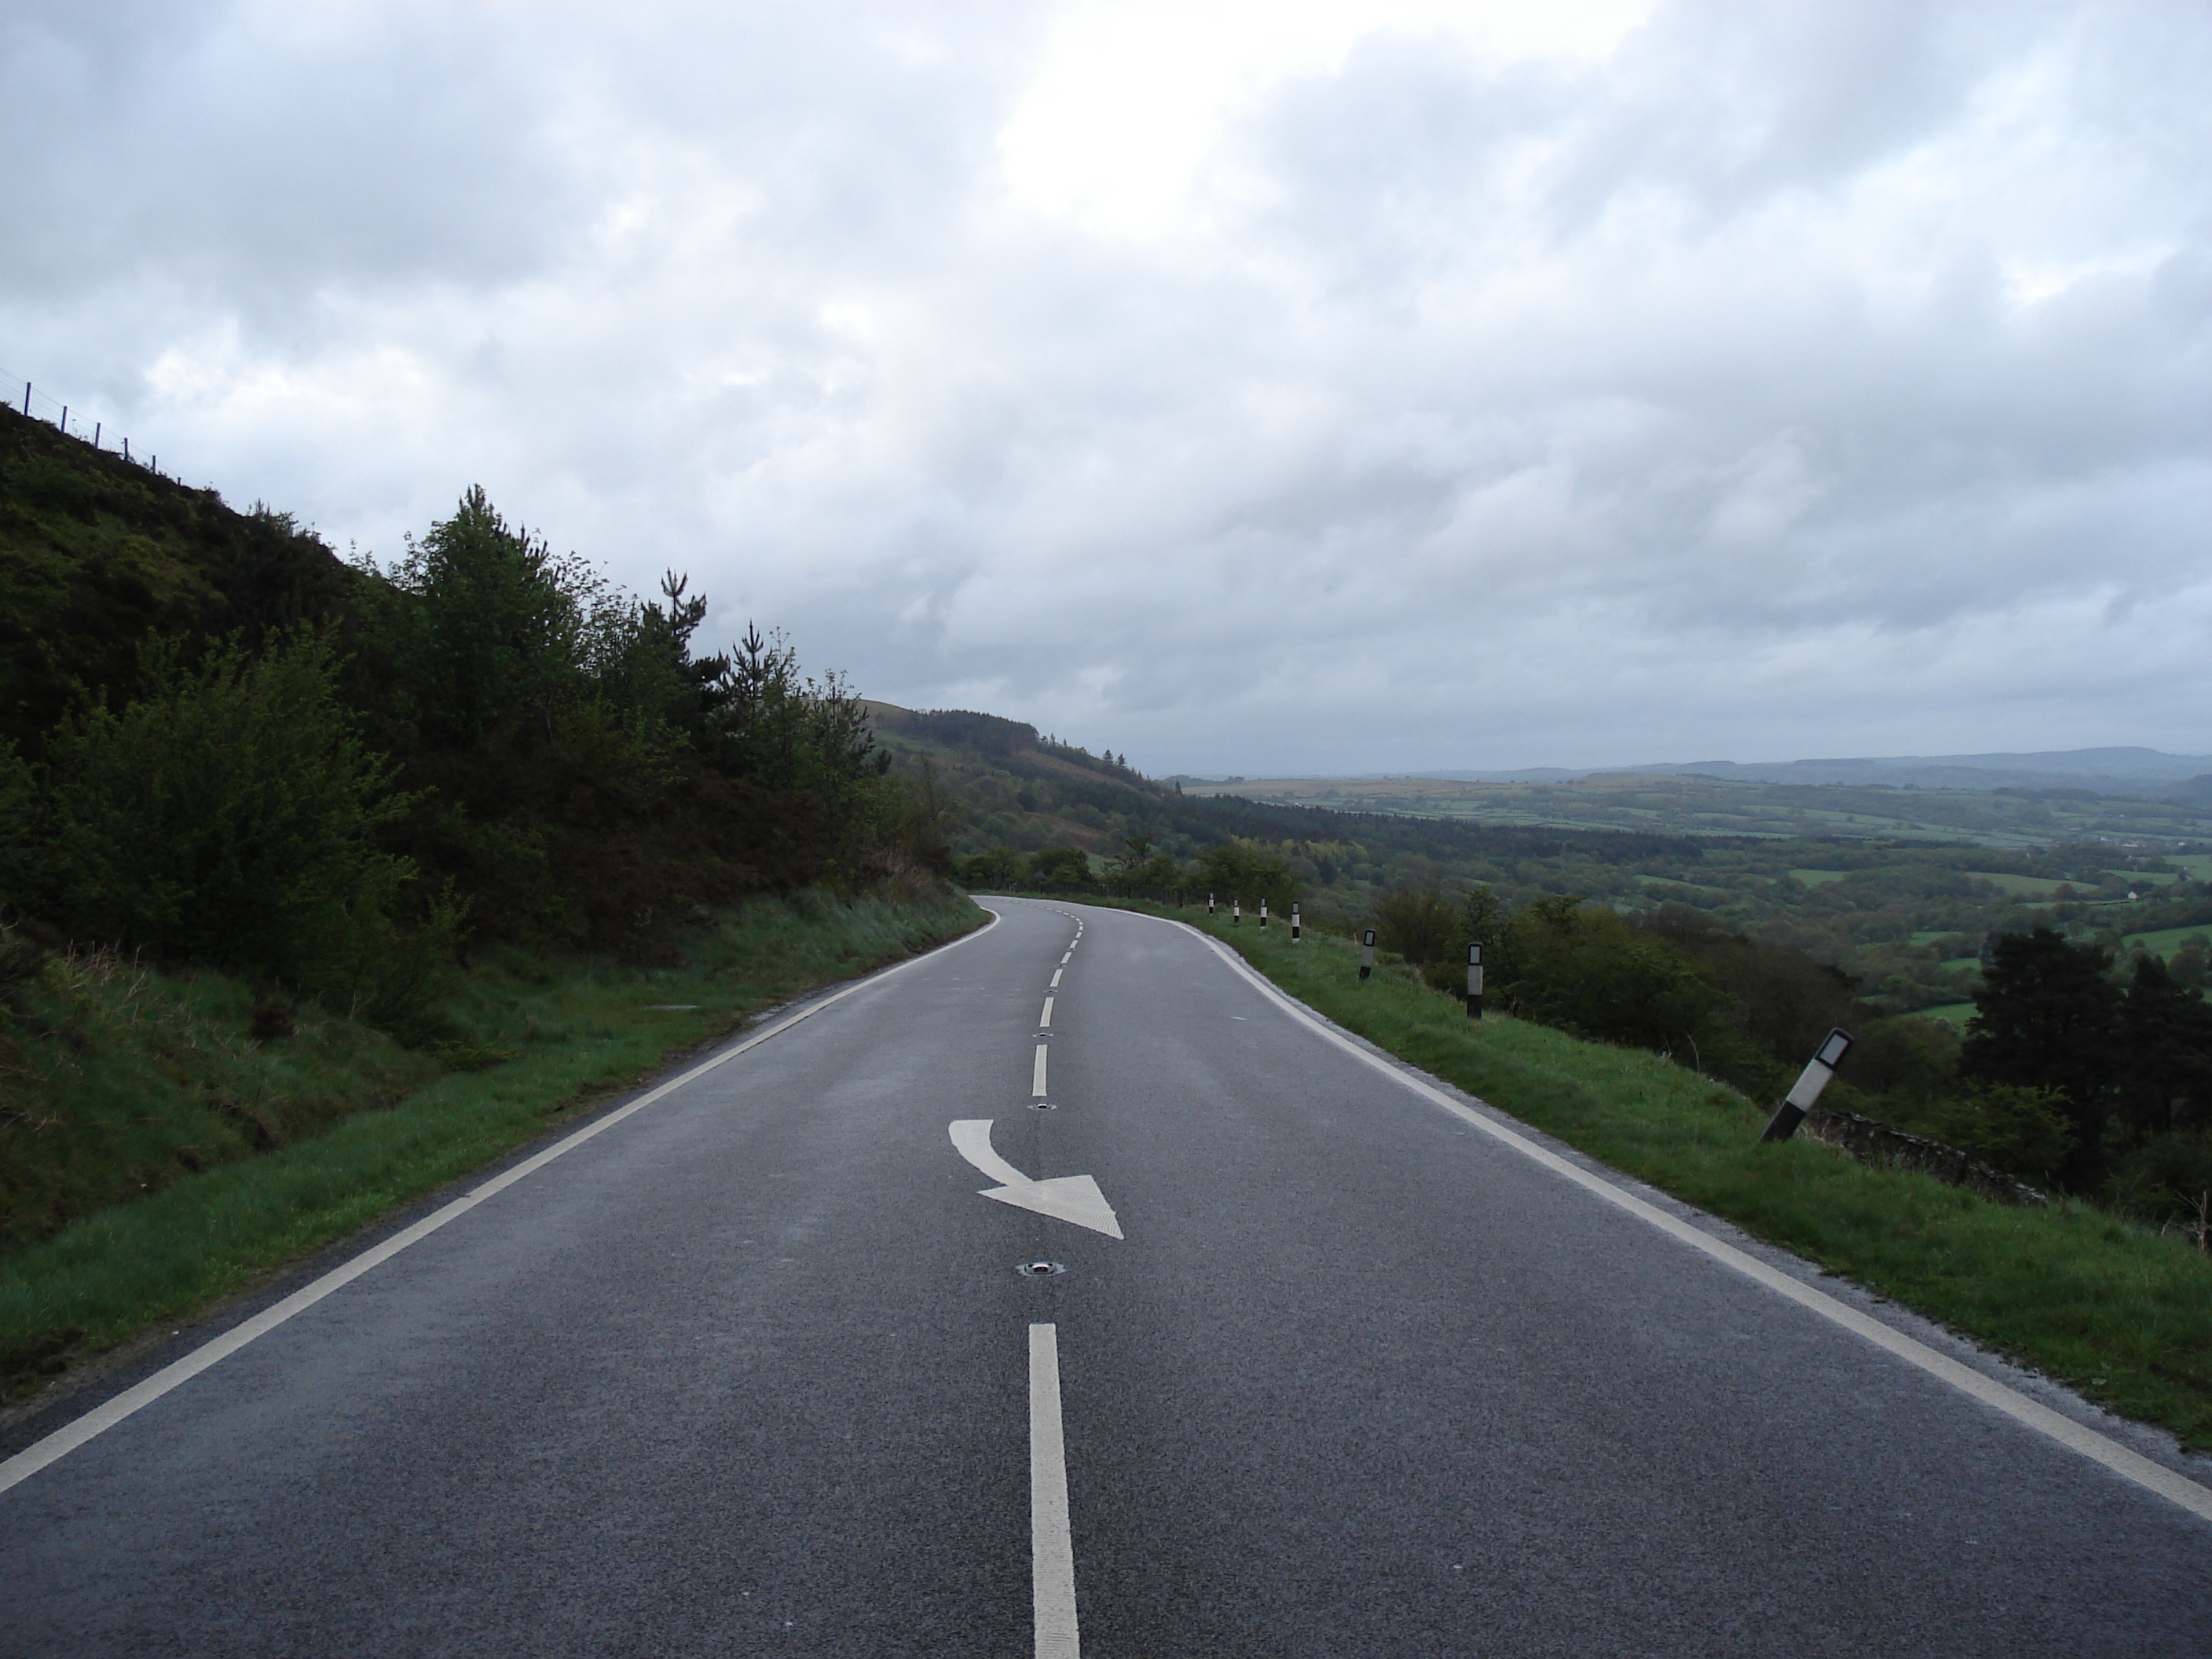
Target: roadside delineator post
[[1474, 979], [1810, 1081], [1263, 912], [1294, 921], [1236, 912], [1209, 904], [1366, 954]]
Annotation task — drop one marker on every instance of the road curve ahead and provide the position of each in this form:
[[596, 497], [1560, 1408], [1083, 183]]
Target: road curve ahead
[[1062, 1293]]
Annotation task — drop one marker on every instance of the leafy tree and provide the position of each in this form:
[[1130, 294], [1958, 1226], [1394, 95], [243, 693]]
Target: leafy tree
[[230, 814], [487, 630], [1002, 866], [2048, 1018], [1248, 870], [1912, 1061], [2024, 1130], [1060, 866], [1588, 972], [2165, 1036], [1423, 925], [1783, 1001]]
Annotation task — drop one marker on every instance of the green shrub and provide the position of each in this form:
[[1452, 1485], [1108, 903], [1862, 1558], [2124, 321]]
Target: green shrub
[[1424, 926], [1061, 867], [2164, 1180], [229, 815], [1246, 870], [1588, 972], [26, 849], [2024, 1130], [1002, 866]]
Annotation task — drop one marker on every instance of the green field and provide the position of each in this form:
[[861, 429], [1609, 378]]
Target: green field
[[2166, 941], [2032, 886], [1691, 805], [1953, 1014]]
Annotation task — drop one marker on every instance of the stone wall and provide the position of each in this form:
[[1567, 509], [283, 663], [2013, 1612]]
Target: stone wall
[[1879, 1144]]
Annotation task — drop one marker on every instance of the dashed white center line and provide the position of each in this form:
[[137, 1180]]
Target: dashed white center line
[[1036, 1076], [1052, 1549], [1044, 1020], [1070, 951], [1056, 973]]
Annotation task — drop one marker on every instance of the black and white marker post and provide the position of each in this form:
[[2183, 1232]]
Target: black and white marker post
[[1814, 1078], [1366, 954], [1263, 912], [1236, 912], [1474, 980], [1209, 904], [1294, 921]]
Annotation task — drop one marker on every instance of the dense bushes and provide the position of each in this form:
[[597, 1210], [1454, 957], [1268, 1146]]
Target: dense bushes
[[484, 740], [2066, 1078], [229, 812], [2131, 1066]]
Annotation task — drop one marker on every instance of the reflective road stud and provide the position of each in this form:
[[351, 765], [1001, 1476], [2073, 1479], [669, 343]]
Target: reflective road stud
[[1366, 954], [1810, 1081], [1474, 981]]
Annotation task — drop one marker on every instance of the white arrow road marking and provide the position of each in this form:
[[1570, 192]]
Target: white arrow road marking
[[1064, 1198]]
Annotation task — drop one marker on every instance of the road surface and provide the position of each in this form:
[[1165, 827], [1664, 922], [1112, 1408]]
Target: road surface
[[1203, 1336]]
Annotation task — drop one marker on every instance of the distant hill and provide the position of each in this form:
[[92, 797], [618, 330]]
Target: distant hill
[[2117, 771]]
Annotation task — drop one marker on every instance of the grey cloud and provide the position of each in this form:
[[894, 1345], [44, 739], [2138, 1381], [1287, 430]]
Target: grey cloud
[[1686, 402]]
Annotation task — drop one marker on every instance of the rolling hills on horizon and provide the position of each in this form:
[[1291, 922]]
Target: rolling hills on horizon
[[2111, 770]]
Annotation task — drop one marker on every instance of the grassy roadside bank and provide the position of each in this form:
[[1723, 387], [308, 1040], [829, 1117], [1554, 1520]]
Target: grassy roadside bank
[[539, 1041], [2105, 1305]]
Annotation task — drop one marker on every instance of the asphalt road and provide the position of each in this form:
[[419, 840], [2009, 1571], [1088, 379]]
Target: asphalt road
[[756, 1370]]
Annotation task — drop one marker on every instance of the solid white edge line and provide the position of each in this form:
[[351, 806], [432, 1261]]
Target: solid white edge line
[[66, 1439], [2128, 1465], [1052, 1547], [1037, 1074]]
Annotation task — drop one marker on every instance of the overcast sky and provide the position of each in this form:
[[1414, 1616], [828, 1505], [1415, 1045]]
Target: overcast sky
[[1256, 388]]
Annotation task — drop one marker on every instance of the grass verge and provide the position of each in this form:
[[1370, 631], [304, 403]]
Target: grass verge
[[2113, 1309], [541, 1042]]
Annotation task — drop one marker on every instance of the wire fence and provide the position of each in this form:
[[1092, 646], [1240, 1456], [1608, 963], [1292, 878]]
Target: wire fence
[[71, 422]]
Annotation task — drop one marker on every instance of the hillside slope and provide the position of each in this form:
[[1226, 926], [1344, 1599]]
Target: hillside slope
[[97, 552]]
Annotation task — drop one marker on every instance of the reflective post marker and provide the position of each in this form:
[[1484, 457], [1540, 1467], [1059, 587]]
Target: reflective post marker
[[1263, 912], [1810, 1081], [1366, 954], [1474, 980], [1209, 904], [1294, 921], [1236, 912]]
